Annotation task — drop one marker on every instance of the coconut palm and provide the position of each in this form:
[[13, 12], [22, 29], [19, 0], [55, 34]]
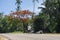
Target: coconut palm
[[34, 7], [18, 3]]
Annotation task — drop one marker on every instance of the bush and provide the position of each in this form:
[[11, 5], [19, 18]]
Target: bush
[[37, 24]]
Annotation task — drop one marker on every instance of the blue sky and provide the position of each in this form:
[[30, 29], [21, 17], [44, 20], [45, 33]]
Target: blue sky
[[6, 6]]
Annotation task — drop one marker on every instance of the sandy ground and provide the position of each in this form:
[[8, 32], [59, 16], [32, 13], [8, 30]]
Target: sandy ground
[[32, 36], [4, 37]]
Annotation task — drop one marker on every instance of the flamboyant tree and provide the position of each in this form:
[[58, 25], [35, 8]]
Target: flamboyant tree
[[23, 16]]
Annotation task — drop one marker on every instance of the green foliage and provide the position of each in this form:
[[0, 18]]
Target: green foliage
[[47, 21], [10, 25], [37, 24], [51, 15]]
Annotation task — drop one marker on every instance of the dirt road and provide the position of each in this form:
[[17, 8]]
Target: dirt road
[[32, 36]]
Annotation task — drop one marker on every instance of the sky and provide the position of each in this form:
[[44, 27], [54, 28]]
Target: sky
[[6, 6]]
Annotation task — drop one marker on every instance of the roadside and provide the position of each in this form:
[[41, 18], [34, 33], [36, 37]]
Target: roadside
[[2, 37]]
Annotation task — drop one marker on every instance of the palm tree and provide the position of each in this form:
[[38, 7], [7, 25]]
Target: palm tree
[[18, 3], [33, 7]]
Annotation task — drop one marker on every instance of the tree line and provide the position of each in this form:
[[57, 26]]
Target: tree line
[[48, 19]]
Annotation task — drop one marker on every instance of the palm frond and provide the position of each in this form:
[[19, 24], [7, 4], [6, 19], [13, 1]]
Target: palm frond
[[37, 1]]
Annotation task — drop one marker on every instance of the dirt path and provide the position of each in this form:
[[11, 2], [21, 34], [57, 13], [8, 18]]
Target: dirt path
[[33, 36]]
